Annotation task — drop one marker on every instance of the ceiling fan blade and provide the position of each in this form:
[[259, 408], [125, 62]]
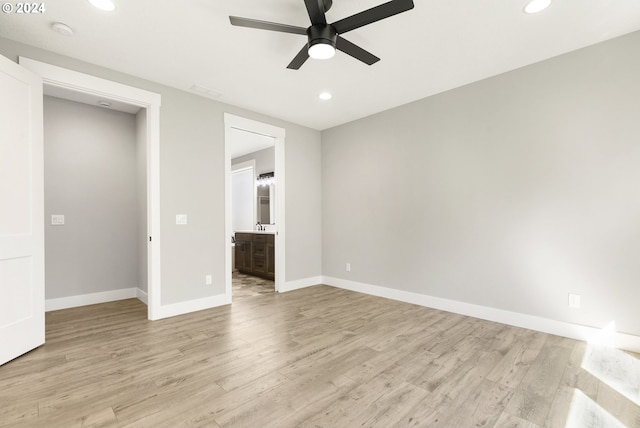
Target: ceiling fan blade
[[316, 11], [265, 25], [356, 51], [374, 14], [299, 59]]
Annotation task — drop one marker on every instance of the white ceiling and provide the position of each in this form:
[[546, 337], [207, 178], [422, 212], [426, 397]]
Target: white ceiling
[[437, 46]]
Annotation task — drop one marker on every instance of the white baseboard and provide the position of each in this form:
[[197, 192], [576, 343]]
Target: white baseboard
[[133, 293], [545, 325], [300, 283], [142, 296], [89, 299], [173, 309]]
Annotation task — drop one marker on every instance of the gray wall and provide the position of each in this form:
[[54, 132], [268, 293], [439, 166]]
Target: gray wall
[[508, 193], [90, 177], [265, 160], [192, 183]]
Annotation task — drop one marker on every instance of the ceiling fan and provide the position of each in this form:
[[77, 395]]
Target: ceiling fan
[[325, 38]]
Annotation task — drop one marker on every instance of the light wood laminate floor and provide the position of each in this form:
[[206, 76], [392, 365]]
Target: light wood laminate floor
[[244, 286], [317, 357]]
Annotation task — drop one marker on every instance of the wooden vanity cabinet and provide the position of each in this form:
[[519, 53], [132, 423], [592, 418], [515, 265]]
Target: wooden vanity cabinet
[[271, 257], [255, 254], [243, 251]]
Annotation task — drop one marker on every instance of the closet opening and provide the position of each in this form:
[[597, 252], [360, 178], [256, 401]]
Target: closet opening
[[95, 202], [72, 88]]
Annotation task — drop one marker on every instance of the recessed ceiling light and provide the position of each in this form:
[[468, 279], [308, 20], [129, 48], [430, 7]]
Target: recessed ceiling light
[[325, 96], [106, 5], [61, 28], [535, 6]]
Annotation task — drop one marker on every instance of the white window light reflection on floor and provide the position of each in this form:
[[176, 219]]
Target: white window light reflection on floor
[[584, 412], [612, 366]]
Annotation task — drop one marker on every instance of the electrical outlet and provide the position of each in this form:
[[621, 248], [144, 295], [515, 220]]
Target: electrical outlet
[[574, 301], [348, 267], [208, 280], [57, 220]]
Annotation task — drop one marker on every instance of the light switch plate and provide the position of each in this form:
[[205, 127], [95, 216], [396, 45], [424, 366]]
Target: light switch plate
[[181, 219], [57, 220]]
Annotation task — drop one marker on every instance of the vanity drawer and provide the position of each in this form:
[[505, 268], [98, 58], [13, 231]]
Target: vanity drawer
[[258, 248], [259, 264], [259, 238], [244, 237]]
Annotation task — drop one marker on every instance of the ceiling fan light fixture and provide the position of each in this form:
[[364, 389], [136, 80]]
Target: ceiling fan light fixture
[[535, 6], [322, 41], [321, 51]]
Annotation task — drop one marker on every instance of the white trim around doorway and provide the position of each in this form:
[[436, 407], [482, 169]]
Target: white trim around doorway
[[236, 122], [70, 80]]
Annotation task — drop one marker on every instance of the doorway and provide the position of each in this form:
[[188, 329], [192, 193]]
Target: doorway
[[71, 85], [252, 213], [276, 227], [95, 204]]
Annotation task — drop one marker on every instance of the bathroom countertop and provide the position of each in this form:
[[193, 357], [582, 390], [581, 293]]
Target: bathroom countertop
[[262, 232]]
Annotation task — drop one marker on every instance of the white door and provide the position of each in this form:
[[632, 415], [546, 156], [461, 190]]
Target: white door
[[242, 199], [21, 212]]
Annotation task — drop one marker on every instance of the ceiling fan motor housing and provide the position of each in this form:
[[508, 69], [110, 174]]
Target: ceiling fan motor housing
[[322, 33]]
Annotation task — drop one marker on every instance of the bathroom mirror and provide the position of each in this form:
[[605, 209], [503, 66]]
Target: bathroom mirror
[[265, 204], [265, 193]]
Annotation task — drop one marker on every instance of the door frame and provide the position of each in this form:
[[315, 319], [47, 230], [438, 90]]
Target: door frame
[[70, 80], [278, 134]]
